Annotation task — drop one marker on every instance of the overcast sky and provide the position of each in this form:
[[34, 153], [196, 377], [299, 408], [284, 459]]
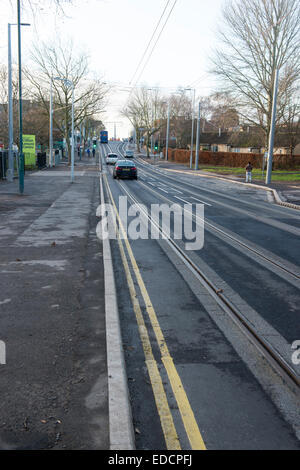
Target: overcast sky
[[115, 34]]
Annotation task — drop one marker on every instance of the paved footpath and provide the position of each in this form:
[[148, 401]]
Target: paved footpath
[[54, 384]]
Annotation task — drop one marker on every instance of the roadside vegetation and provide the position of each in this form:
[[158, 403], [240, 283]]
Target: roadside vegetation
[[277, 175]]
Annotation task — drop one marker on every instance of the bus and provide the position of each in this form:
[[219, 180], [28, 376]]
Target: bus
[[103, 137]]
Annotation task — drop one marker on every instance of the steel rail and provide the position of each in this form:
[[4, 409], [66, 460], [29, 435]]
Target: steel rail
[[239, 242]]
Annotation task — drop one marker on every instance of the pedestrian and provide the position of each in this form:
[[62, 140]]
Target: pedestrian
[[249, 172], [88, 152], [93, 151]]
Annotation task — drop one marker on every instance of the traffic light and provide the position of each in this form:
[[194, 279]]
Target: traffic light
[[156, 145]]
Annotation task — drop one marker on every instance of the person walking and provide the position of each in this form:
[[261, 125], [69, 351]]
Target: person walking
[[249, 168], [93, 152]]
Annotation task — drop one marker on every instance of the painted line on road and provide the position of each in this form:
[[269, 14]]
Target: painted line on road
[[187, 414], [196, 199], [180, 198], [176, 190], [166, 419], [161, 189]]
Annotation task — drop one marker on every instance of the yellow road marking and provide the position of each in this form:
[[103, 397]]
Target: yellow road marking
[[161, 401], [184, 406]]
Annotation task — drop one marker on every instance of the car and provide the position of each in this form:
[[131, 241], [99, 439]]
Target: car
[[128, 153], [125, 169], [112, 158]]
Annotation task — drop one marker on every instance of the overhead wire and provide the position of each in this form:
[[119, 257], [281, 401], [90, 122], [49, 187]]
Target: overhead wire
[[152, 50], [148, 45]]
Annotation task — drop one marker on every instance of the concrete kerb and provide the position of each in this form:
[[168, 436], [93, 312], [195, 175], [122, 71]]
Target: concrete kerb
[[121, 434], [251, 185]]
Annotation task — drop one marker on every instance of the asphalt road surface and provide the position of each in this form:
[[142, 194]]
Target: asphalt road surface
[[196, 377]]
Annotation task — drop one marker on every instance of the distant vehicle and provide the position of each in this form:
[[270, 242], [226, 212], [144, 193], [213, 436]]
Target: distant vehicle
[[128, 153], [112, 158], [103, 137], [125, 169]]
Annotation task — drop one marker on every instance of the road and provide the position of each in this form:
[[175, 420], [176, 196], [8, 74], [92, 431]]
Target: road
[[208, 333]]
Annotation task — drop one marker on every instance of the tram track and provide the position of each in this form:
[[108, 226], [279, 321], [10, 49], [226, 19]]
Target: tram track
[[274, 358]]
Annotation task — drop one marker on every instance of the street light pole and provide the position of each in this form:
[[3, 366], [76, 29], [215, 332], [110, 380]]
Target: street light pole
[[197, 140], [51, 126], [272, 130], [192, 134], [72, 151], [69, 83], [10, 173], [21, 154], [168, 129]]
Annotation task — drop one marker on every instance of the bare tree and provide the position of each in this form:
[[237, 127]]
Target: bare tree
[[258, 37], [62, 62], [145, 110], [291, 122], [223, 114]]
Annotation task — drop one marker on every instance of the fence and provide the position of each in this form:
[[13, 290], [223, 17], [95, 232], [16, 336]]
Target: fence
[[4, 164], [233, 159], [41, 162]]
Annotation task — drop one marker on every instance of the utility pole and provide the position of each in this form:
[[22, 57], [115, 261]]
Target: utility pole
[[73, 143], [272, 130], [168, 129], [197, 140], [70, 84], [115, 126], [21, 154], [51, 126], [10, 173], [192, 134]]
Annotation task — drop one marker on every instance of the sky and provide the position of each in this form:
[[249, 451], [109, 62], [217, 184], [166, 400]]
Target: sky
[[115, 34]]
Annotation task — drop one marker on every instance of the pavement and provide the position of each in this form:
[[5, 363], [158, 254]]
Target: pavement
[[54, 385], [287, 191]]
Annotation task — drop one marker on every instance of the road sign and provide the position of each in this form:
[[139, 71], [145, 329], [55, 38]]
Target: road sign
[[29, 149]]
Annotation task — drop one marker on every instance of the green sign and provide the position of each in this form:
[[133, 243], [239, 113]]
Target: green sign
[[58, 144], [29, 149]]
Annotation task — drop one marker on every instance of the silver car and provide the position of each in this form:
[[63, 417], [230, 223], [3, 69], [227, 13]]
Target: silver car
[[128, 153], [112, 158]]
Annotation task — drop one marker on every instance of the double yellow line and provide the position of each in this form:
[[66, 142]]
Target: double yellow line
[[187, 415]]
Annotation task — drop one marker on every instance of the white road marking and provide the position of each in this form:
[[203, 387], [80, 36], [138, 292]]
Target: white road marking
[[176, 190], [162, 190], [196, 199], [187, 202]]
